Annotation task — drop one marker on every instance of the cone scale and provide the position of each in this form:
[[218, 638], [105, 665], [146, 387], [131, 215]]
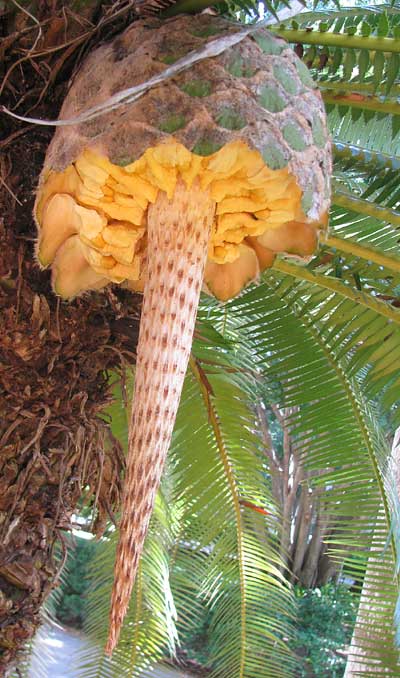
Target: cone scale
[[178, 237]]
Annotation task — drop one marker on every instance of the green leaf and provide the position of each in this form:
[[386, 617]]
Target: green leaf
[[350, 62], [383, 26], [366, 29], [337, 60], [379, 65], [363, 63], [395, 126], [392, 72]]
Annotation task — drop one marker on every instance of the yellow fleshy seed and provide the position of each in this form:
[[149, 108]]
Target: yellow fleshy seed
[[121, 236], [90, 170], [251, 198], [132, 214], [124, 272], [126, 201], [92, 222], [138, 187]]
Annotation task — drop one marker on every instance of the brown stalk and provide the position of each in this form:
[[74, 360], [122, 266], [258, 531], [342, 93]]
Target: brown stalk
[[178, 235]]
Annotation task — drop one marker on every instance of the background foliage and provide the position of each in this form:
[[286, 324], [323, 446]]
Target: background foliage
[[72, 599], [326, 617]]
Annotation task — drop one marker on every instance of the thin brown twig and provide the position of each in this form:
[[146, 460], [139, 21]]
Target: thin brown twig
[[11, 192], [30, 51], [83, 36], [10, 70], [19, 284], [82, 20], [37, 22], [9, 430], [13, 37], [26, 95], [71, 45], [63, 560], [23, 477], [54, 71], [100, 472], [58, 320]]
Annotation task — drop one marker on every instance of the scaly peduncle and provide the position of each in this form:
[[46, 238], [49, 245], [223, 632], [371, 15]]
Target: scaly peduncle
[[178, 236]]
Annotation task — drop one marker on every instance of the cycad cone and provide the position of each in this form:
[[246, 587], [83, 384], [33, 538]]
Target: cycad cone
[[231, 165]]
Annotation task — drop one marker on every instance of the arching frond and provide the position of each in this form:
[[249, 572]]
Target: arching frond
[[354, 53], [242, 572], [361, 333], [294, 329]]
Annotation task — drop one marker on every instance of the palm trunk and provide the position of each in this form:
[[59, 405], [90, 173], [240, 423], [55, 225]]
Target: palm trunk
[[53, 386]]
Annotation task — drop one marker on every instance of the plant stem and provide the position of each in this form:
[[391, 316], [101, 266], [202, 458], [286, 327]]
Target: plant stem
[[344, 151], [178, 235], [368, 87], [367, 103], [366, 253], [362, 206], [336, 285], [216, 426], [344, 40]]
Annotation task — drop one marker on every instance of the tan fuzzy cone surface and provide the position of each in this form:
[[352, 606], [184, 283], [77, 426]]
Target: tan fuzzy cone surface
[[201, 182]]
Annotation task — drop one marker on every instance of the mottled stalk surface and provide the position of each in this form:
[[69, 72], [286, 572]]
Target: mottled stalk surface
[[178, 236]]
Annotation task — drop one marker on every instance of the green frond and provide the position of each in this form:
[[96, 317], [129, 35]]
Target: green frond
[[203, 541], [357, 87], [336, 18], [309, 343], [368, 76], [354, 54], [377, 131], [366, 184], [241, 575], [293, 328], [365, 159], [362, 252], [362, 333], [362, 103], [149, 628]]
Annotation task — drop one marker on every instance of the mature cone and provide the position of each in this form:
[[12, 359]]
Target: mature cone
[[203, 179]]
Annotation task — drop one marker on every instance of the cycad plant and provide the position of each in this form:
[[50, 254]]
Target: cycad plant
[[318, 341]]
